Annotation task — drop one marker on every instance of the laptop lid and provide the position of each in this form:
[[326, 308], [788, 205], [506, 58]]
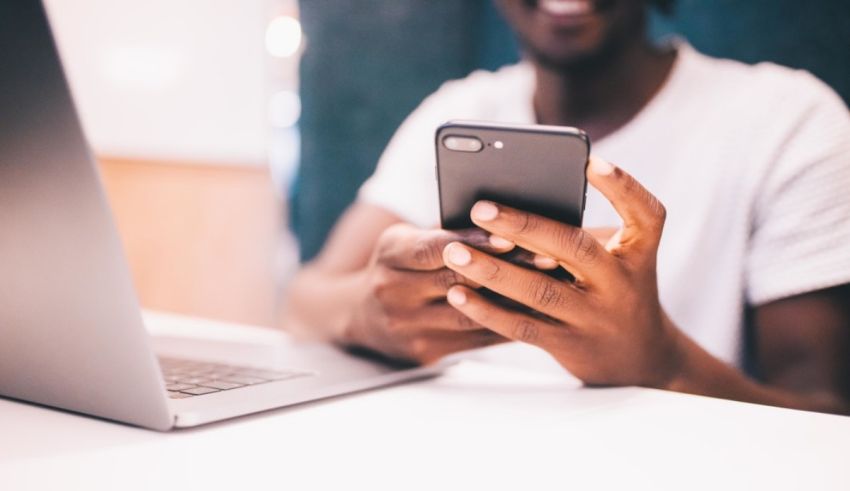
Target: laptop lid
[[71, 335]]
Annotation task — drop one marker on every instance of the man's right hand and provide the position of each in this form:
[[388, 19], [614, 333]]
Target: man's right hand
[[402, 311]]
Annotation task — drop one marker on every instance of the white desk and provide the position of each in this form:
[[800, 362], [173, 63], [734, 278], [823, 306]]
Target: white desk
[[480, 426]]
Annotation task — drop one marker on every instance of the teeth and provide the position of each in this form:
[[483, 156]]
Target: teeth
[[566, 7]]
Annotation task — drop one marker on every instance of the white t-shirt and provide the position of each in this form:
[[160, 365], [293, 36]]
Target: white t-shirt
[[752, 163]]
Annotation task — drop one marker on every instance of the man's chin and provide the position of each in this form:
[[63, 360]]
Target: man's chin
[[566, 60]]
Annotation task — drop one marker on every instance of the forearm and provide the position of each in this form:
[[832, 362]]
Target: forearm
[[318, 304], [698, 372]]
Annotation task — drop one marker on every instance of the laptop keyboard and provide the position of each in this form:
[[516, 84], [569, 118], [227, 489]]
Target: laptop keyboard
[[188, 378]]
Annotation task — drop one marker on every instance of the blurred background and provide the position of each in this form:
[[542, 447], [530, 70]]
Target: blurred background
[[192, 109], [232, 133]]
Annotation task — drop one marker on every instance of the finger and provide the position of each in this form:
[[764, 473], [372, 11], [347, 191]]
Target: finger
[[430, 285], [481, 338], [483, 240], [534, 289], [642, 213], [510, 324], [406, 290], [442, 317], [500, 243], [433, 346], [574, 247], [544, 262], [407, 247], [522, 257]]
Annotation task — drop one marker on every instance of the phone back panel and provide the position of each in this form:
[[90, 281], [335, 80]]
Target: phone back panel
[[539, 169]]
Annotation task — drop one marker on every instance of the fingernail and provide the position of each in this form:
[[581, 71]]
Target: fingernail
[[600, 167], [485, 211], [501, 242], [456, 296], [545, 262], [459, 255]]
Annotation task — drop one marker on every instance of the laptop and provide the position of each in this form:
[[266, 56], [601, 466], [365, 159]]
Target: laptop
[[71, 331]]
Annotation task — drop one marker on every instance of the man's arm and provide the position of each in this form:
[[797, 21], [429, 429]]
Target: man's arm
[[803, 344], [803, 354]]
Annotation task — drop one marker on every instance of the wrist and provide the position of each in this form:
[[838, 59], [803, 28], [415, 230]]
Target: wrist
[[688, 361], [674, 369], [345, 327]]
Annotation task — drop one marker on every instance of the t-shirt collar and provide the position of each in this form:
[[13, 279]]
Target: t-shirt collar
[[523, 112]]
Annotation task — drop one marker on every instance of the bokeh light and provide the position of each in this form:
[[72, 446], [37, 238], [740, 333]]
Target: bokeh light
[[283, 36]]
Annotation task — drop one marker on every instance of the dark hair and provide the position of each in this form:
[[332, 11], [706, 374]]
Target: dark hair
[[664, 6]]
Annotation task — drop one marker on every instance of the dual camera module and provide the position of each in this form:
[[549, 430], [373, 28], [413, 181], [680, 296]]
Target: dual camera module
[[471, 144]]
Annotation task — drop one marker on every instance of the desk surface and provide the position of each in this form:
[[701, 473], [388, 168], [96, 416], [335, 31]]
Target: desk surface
[[479, 426]]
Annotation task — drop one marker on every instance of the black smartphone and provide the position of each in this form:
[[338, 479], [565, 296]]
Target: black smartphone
[[535, 168]]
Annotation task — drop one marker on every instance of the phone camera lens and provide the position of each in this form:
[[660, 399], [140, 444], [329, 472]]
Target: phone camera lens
[[463, 143]]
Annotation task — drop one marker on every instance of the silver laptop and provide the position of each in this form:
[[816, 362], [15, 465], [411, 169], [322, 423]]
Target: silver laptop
[[71, 332]]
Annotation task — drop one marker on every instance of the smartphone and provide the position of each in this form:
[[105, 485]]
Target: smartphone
[[534, 168]]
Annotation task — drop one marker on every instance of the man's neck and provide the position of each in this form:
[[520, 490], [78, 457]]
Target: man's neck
[[602, 97]]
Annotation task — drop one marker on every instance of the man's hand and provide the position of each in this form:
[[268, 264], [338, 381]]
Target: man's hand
[[402, 311], [608, 326]]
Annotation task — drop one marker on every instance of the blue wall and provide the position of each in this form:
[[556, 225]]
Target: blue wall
[[810, 34], [369, 62]]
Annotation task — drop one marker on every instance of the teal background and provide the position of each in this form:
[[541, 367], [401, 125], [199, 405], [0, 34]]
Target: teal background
[[368, 64]]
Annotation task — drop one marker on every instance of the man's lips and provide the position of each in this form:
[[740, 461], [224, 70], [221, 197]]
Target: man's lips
[[565, 8], [566, 14]]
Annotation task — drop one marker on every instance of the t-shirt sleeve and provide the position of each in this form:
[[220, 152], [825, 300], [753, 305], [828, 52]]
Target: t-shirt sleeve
[[404, 181], [800, 240]]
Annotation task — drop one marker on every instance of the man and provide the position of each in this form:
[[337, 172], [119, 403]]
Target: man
[[752, 164]]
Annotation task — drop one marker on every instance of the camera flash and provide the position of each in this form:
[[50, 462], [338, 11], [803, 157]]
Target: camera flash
[[498, 145]]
